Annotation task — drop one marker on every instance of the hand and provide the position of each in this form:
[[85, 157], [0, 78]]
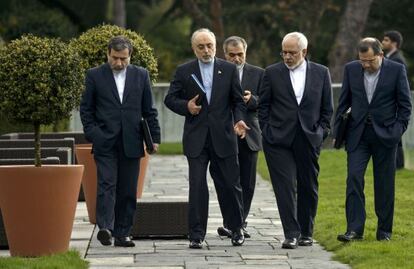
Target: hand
[[240, 128], [155, 150], [247, 95], [193, 108]]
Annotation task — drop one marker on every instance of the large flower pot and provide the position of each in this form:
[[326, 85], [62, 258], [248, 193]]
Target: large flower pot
[[38, 206], [89, 181], [143, 164]]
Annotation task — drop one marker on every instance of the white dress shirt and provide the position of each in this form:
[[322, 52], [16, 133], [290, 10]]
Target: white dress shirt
[[120, 77], [298, 79], [207, 70]]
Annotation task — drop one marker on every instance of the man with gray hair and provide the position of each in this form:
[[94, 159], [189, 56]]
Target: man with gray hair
[[206, 91], [295, 110], [377, 91], [117, 96], [250, 76]]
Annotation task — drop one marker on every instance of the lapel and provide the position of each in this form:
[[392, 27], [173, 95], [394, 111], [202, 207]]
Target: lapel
[[380, 78], [128, 83], [307, 81], [217, 73], [196, 69], [245, 76], [359, 77], [286, 78], [110, 80]]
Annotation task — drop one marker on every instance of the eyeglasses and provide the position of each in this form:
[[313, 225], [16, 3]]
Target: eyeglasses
[[284, 53]]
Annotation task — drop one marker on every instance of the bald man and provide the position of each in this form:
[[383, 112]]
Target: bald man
[[206, 91]]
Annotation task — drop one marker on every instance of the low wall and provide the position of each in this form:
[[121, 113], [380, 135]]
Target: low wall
[[172, 124]]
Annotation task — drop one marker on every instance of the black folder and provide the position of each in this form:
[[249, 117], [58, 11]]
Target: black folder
[[195, 87], [342, 129], [149, 144]]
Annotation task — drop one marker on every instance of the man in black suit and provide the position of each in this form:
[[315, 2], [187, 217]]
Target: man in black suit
[[391, 43], [116, 97], [209, 134], [250, 77], [295, 109], [377, 91]]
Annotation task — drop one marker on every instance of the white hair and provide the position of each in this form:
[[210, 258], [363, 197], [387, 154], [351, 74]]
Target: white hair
[[202, 30], [302, 40]]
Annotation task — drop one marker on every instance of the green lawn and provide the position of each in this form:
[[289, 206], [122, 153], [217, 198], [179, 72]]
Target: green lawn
[[369, 253], [68, 260]]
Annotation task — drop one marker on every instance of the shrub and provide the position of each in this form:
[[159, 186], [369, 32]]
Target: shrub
[[41, 81], [92, 46]]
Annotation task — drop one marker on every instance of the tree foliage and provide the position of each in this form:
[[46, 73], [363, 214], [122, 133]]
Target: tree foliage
[[92, 46], [41, 81]]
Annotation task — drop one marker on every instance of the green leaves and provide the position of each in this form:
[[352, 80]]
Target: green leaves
[[93, 46], [41, 80]]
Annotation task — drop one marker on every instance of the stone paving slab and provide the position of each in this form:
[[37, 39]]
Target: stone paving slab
[[167, 178]]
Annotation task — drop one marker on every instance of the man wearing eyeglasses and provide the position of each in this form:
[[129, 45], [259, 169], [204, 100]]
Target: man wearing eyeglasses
[[295, 109], [378, 93]]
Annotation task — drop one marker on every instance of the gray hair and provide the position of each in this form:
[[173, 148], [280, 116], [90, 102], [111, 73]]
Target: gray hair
[[234, 41], [370, 42], [302, 40], [202, 30], [119, 43]]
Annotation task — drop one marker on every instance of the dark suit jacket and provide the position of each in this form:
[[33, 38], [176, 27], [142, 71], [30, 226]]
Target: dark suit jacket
[[251, 80], [226, 105], [398, 57], [390, 107], [104, 117], [279, 112]]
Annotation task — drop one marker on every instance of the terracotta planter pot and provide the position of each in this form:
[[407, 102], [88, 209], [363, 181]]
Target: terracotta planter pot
[[89, 180], [143, 164], [38, 206]]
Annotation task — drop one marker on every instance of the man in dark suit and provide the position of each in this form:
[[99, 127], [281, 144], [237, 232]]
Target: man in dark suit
[[209, 134], [295, 109], [250, 77], [391, 44], [377, 91], [116, 97]]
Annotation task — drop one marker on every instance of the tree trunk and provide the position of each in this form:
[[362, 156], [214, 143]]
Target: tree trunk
[[351, 27], [217, 26], [119, 13]]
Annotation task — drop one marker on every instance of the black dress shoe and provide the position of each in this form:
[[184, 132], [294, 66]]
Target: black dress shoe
[[124, 242], [237, 238], [222, 231], [246, 233], [305, 241], [383, 236], [197, 244], [349, 236], [105, 237], [290, 243]]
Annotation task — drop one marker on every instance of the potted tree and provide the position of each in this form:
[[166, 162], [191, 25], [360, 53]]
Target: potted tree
[[41, 81], [92, 47]]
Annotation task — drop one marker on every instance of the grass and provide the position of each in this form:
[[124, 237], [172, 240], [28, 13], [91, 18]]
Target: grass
[[67, 260], [330, 220]]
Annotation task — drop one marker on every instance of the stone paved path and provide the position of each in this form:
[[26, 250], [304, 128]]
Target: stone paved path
[[167, 179]]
